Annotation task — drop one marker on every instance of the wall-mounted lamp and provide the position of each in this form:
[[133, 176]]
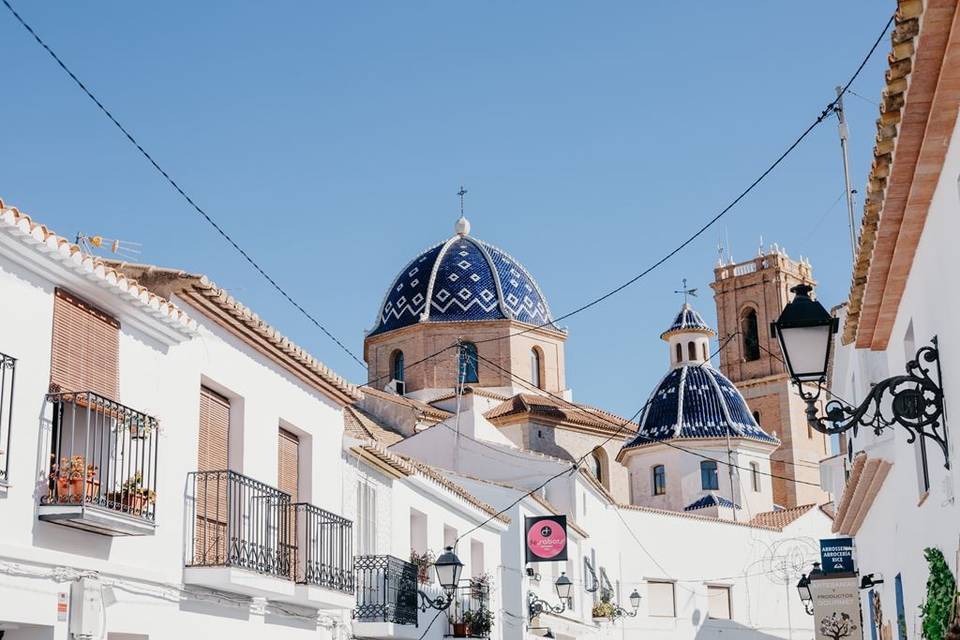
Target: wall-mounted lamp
[[619, 612], [804, 588], [448, 567], [536, 605], [805, 331], [869, 581]]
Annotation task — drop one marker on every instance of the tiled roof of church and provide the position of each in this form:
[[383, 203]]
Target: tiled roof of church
[[697, 401], [358, 424], [462, 280], [688, 319], [711, 500], [427, 410]]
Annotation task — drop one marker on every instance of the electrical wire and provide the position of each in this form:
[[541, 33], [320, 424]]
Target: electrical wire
[[220, 230], [829, 109]]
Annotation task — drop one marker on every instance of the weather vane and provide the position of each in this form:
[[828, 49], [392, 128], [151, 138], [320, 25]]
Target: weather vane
[[461, 193], [686, 292]]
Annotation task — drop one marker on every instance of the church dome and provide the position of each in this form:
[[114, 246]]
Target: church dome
[[694, 400], [462, 279]]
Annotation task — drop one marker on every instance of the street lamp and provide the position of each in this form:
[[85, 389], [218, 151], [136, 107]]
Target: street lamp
[[448, 567], [805, 331], [536, 605], [619, 612], [804, 588]]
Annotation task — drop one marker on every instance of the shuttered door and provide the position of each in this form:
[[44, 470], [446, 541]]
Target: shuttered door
[[288, 477], [210, 545], [86, 347]]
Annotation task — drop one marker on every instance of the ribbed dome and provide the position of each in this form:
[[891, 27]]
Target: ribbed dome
[[689, 319], [695, 401], [462, 280]]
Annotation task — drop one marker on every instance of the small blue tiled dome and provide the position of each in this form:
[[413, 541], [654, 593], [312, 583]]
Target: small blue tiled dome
[[696, 401], [688, 320], [461, 280], [711, 500]]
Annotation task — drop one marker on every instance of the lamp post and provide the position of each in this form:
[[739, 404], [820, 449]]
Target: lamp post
[[536, 605], [913, 401], [448, 568]]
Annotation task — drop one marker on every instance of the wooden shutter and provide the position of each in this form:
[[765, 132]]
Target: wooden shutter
[[288, 464], [85, 352], [214, 431]]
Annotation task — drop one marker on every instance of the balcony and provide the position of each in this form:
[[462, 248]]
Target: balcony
[[470, 615], [249, 538], [386, 597], [102, 475]]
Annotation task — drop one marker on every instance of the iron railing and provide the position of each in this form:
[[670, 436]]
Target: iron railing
[[103, 454], [8, 371], [386, 590], [471, 605], [325, 548], [240, 522]]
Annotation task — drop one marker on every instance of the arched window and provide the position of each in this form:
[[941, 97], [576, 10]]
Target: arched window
[[691, 350], [679, 352], [397, 371], [468, 363], [751, 338], [535, 368], [709, 478], [596, 466], [706, 354], [659, 480], [756, 417]]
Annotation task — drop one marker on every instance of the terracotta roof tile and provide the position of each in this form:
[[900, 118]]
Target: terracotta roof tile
[[59, 249], [781, 518], [427, 410], [361, 425], [548, 408]]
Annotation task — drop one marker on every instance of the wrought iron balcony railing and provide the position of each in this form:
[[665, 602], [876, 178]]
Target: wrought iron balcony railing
[[324, 544], [386, 590], [103, 455], [240, 522], [8, 370], [471, 608]]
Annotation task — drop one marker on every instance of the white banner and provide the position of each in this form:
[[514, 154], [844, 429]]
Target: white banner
[[836, 608]]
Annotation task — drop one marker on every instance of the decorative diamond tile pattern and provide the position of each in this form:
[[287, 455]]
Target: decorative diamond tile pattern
[[697, 402], [464, 288]]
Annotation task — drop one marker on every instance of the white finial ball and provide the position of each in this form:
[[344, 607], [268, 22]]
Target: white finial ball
[[462, 227]]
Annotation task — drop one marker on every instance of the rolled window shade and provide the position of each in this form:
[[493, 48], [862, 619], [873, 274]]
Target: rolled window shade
[[214, 431], [85, 350], [288, 464]]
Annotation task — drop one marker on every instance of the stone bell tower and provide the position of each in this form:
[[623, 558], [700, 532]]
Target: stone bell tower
[[750, 295]]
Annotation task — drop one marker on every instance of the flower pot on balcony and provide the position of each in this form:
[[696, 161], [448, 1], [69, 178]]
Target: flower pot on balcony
[[460, 629]]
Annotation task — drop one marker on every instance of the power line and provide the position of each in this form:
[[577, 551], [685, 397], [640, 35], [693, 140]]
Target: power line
[[173, 183], [829, 109]]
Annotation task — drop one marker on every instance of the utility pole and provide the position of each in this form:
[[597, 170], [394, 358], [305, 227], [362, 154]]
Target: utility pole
[[842, 126]]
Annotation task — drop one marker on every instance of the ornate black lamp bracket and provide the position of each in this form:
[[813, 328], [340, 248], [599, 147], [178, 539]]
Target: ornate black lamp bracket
[[620, 612], [913, 401], [536, 606], [440, 603]]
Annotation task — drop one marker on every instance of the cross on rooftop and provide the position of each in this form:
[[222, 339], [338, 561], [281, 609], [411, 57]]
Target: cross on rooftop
[[686, 292], [461, 193]]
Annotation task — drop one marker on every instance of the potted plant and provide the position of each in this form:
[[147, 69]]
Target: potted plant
[[461, 627], [423, 562], [479, 622], [133, 497], [603, 610], [480, 586], [72, 477]]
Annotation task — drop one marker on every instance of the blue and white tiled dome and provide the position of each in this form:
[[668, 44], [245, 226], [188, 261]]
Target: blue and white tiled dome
[[694, 400], [461, 280]]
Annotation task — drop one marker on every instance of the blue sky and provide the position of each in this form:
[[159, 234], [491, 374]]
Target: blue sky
[[330, 140]]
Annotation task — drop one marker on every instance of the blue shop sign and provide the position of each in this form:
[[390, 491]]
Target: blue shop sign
[[836, 555]]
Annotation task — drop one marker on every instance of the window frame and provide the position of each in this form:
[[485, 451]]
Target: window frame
[[729, 599], [673, 598], [659, 488], [750, 333], [468, 369], [755, 476], [709, 466]]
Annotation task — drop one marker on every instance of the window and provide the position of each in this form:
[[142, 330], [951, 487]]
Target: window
[[476, 559], [598, 465], [706, 354], [85, 348], [755, 475], [709, 478], [718, 603], [679, 352], [659, 480], [756, 417], [751, 338], [8, 370], [691, 350], [660, 599], [288, 464], [468, 363], [536, 379], [366, 519], [397, 371]]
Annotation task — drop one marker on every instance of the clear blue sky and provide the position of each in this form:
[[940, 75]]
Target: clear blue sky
[[330, 139]]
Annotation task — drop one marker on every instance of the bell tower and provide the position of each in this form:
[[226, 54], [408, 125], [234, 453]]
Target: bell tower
[[749, 295]]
